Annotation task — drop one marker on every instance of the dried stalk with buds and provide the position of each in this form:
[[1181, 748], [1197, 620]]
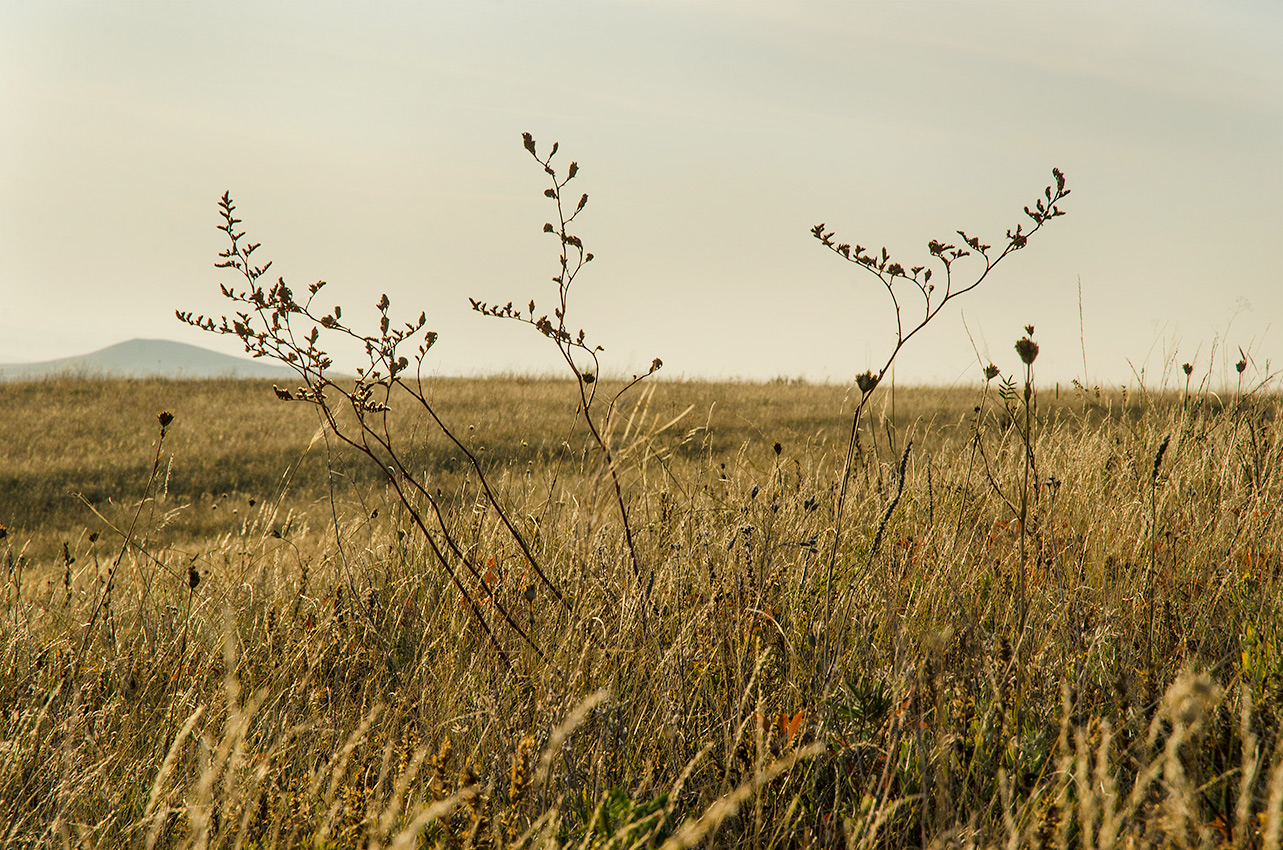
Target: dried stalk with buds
[[933, 299], [580, 354], [275, 325]]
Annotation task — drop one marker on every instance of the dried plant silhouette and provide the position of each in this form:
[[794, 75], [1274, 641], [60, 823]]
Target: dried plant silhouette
[[273, 324], [579, 353], [909, 323]]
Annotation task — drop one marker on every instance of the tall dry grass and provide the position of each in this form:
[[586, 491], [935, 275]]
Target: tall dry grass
[[227, 690]]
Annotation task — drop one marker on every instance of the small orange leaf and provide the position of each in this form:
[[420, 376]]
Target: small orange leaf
[[794, 725]]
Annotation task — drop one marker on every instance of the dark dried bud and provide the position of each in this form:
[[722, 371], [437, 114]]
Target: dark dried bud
[[866, 382], [529, 142], [1158, 458], [588, 377], [991, 372], [778, 448], [165, 417], [1187, 368], [1240, 366], [193, 578], [1027, 349]]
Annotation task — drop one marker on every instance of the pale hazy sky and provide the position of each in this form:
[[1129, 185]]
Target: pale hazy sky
[[378, 147]]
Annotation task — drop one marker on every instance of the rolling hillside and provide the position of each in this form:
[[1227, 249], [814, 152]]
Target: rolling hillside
[[140, 358]]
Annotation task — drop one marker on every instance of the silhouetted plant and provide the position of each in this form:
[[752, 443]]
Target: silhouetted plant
[[890, 272], [579, 353], [275, 325]]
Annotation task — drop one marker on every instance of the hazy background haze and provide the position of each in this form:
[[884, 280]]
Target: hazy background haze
[[378, 147]]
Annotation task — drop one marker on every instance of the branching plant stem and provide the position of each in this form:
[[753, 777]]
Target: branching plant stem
[[571, 261], [267, 328], [889, 273]]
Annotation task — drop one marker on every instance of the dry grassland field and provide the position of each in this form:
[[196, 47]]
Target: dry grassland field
[[231, 631]]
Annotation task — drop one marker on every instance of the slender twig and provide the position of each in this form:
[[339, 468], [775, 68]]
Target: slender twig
[[165, 418]]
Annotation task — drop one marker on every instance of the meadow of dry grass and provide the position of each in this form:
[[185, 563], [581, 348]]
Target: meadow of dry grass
[[279, 662]]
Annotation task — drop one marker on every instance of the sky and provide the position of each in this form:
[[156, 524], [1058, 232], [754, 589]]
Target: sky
[[380, 149]]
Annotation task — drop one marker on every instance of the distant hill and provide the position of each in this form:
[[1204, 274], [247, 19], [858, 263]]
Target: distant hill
[[142, 358]]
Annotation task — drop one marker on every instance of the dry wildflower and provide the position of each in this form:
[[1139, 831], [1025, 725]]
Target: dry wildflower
[[355, 802], [991, 372], [866, 382], [409, 742], [1158, 457], [522, 775], [519, 782], [475, 810], [437, 767], [1027, 349]]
